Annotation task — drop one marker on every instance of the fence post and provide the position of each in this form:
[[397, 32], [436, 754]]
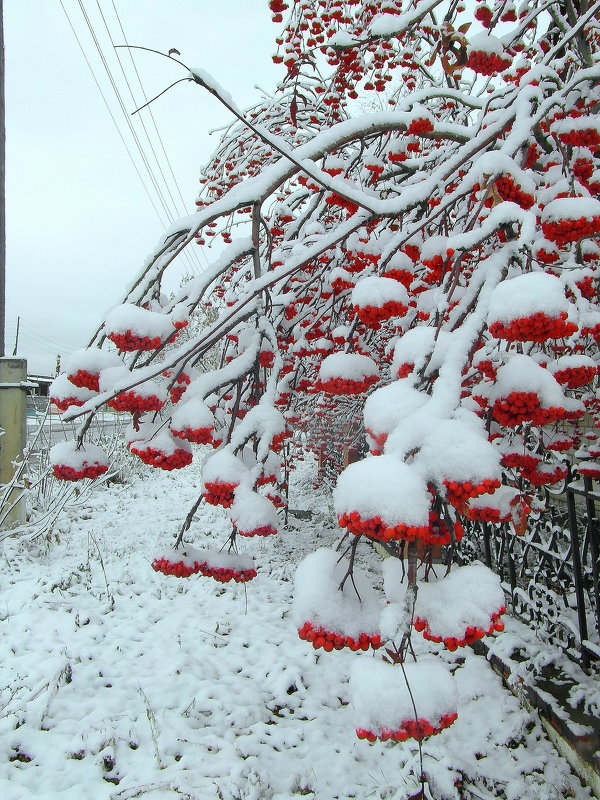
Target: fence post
[[13, 416], [577, 575]]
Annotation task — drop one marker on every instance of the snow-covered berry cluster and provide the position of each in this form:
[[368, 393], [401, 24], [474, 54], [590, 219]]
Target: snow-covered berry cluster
[[155, 457], [472, 632], [135, 403], [538, 327], [330, 640], [418, 729], [219, 493]]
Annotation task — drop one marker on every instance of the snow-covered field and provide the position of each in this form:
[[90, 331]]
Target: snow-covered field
[[119, 682]]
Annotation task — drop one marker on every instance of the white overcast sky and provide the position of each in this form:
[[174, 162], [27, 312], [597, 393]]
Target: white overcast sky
[[79, 222]]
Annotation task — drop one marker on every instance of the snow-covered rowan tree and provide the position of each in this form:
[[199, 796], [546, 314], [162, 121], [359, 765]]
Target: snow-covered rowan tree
[[419, 281]]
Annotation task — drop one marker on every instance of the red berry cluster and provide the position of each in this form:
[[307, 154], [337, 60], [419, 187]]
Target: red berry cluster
[[337, 200], [226, 574], [486, 514], [487, 63], [373, 315], [519, 407], [419, 126], [587, 137], [439, 533], [509, 190], [347, 385], [484, 14], [263, 530], [413, 252], [219, 493], [329, 640], [65, 473], [86, 380], [435, 268], [182, 570], [403, 276], [561, 445], [266, 358], [545, 478], [376, 528], [176, 391], [128, 341], [589, 471], [135, 403], [177, 568], [158, 458], [533, 153], [563, 231], [404, 370], [520, 460], [278, 441], [409, 729], [63, 403], [586, 287], [471, 634], [265, 479], [276, 499], [195, 435], [583, 169], [458, 492], [516, 408], [572, 377], [277, 7], [547, 256], [375, 168], [538, 327], [359, 259], [377, 442], [338, 284], [396, 157], [487, 368], [593, 330]]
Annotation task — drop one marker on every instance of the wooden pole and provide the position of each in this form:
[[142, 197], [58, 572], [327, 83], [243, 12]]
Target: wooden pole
[[13, 422], [2, 193]]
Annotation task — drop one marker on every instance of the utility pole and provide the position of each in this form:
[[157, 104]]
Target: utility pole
[[13, 371], [17, 336], [2, 190]]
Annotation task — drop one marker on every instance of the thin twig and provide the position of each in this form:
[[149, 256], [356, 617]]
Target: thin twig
[[164, 91]]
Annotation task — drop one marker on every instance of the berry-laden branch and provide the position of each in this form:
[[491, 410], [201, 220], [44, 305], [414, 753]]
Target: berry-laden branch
[[420, 283]]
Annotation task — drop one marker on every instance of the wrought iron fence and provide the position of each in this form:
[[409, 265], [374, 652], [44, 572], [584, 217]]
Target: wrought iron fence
[[551, 573]]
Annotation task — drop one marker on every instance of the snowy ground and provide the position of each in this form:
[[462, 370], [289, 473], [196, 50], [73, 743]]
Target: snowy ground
[[119, 682]]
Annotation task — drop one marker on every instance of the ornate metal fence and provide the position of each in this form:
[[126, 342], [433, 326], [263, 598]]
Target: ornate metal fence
[[551, 574]]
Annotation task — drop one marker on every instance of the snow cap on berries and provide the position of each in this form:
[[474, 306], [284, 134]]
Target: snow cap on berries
[[317, 597], [383, 486], [71, 462], [63, 393], [526, 295], [383, 695], [456, 451], [252, 514]]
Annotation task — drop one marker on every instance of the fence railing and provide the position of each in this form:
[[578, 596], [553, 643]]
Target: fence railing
[[551, 573]]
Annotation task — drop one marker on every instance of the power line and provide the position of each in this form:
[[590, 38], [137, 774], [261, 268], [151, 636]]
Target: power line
[[145, 159], [135, 103], [34, 336], [131, 158], [124, 110], [39, 344], [151, 113], [148, 108]]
